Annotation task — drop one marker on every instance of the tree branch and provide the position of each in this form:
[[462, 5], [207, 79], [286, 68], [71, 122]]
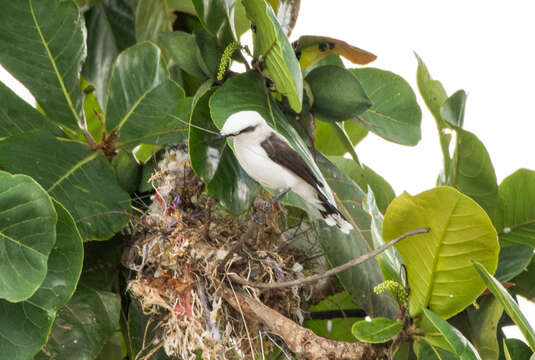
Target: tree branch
[[331, 272]]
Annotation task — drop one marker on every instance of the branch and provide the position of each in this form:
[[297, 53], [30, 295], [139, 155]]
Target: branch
[[333, 271]]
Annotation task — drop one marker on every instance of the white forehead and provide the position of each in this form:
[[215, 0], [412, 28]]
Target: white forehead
[[241, 120]]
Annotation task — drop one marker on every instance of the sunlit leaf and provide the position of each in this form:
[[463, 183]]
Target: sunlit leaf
[[452, 110], [325, 137]]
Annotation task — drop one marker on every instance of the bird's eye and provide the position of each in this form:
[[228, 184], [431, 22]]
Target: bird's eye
[[331, 45], [298, 55], [322, 46]]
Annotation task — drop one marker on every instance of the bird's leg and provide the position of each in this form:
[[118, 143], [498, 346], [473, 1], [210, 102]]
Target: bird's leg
[[280, 196]]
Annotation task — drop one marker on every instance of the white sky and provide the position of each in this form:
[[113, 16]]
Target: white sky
[[484, 48]]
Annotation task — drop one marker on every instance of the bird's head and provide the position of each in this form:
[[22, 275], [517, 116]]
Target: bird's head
[[242, 122]]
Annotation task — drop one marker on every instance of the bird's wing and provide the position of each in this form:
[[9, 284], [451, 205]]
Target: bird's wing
[[278, 150]]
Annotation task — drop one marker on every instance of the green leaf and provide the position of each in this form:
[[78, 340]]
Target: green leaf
[[511, 307], [338, 95], [113, 349], [152, 18], [215, 164], [364, 177], [473, 173], [515, 349], [427, 351], [512, 261], [17, 116], [458, 343], [81, 180], [325, 137], [142, 333], [438, 263], [43, 42], [484, 324], [216, 16], [27, 235], [452, 110], [110, 29], [83, 325], [127, 170], [102, 262], [279, 61], [395, 114], [25, 325], [377, 331], [334, 328], [209, 52], [514, 216], [340, 248], [139, 107], [525, 282], [183, 50]]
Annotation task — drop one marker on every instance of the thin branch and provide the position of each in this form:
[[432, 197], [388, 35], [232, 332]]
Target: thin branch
[[331, 272], [252, 229]]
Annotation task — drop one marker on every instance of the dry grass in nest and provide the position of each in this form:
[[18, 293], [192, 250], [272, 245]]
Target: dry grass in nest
[[176, 254]]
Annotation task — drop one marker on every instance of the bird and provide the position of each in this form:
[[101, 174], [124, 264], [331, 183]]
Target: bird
[[268, 158]]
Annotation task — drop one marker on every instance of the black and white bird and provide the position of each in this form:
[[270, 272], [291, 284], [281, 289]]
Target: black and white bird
[[270, 160]]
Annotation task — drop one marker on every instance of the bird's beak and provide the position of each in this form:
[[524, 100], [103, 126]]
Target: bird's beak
[[220, 137]]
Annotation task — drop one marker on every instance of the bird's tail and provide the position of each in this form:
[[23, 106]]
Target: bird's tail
[[331, 215]]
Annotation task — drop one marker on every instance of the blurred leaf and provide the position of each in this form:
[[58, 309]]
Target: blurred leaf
[[183, 50], [516, 349], [16, 115], [152, 18], [473, 173], [525, 282], [216, 17], [484, 324], [338, 95], [325, 137], [514, 216], [140, 107], [127, 170], [364, 177], [102, 261], [215, 164], [511, 307], [452, 110], [25, 325], [427, 351], [512, 261], [27, 235], [337, 328], [81, 180], [438, 263], [83, 326], [310, 49], [278, 58], [110, 29], [395, 114], [377, 331], [43, 42], [458, 343], [113, 349], [209, 52], [141, 332]]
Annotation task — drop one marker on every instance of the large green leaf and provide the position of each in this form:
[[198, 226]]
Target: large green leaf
[[83, 326], [27, 235], [215, 164], [110, 29], [512, 261], [484, 325], [183, 51], [427, 351], [42, 44], [364, 177], [217, 17], [24, 326], [509, 304], [395, 114], [514, 216], [378, 330], [152, 18], [272, 45], [338, 95], [78, 178], [441, 276], [325, 137], [457, 342], [16, 115], [515, 349], [139, 107], [209, 52], [525, 282], [472, 171]]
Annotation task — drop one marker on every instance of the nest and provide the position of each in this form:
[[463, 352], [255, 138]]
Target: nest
[[182, 250]]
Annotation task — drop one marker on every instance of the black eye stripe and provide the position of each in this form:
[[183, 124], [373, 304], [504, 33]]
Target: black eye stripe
[[247, 129]]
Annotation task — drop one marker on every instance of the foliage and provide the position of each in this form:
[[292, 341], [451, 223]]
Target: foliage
[[116, 81]]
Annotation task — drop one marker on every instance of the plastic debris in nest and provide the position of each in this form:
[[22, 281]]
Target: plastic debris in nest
[[178, 246]]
